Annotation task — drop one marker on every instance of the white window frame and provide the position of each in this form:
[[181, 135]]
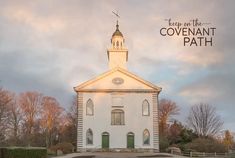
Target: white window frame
[[89, 131], [89, 104], [144, 104], [148, 137], [117, 117]]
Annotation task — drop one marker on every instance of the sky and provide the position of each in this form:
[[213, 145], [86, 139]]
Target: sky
[[51, 46]]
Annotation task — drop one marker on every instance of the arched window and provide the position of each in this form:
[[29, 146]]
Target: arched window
[[89, 137], [146, 137], [117, 117], [89, 107], [145, 108], [117, 44]]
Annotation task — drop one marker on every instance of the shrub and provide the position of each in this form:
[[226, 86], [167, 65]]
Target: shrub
[[64, 147], [20, 152], [51, 152], [164, 144], [206, 145]]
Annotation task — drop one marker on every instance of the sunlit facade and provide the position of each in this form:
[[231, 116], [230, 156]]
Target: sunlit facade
[[117, 110]]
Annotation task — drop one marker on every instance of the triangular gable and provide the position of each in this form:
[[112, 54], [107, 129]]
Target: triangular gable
[[104, 82]]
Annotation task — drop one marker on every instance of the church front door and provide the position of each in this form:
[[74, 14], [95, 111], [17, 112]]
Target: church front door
[[105, 140], [130, 140]]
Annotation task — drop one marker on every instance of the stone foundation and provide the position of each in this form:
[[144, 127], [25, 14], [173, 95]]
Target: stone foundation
[[135, 150]]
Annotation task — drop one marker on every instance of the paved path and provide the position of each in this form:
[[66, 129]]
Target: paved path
[[117, 155]]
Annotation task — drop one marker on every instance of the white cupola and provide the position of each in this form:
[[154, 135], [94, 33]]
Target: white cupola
[[117, 54]]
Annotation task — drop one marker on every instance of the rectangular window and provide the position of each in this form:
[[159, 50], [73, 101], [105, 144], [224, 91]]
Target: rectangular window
[[117, 117]]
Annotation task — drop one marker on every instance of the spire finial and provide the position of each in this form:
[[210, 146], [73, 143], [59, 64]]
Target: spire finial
[[117, 32], [117, 15], [117, 26]]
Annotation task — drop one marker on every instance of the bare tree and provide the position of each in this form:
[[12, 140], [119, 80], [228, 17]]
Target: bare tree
[[69, 127], [73, 113], [167, 108], [5, 100], [30, 103], [51, 116], [204, 120], [14, 119]]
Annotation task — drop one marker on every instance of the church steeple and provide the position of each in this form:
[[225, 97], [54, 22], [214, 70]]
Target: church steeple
[[117, 54], [117, 39], [117, 32]]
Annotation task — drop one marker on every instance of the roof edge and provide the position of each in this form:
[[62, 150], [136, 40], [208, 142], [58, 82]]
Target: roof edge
[[79, 87]]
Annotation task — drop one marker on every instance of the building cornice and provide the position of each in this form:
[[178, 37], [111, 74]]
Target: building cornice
[[118, 90]]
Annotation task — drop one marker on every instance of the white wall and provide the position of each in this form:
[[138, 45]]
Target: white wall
[[101, 120], [117, 58]]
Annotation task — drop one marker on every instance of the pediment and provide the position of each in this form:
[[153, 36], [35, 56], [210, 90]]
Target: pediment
[[117, 79]]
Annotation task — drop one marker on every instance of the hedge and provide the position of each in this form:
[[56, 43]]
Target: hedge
[[22, 152]]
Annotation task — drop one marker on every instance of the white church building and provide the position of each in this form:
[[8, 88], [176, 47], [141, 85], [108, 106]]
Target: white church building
[[117, 110]]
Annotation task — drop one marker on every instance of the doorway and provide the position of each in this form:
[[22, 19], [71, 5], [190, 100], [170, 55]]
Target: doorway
[[105, 140], [130, 140]]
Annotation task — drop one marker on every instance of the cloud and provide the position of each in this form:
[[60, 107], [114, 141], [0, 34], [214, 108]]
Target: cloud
[[201, 58], [52, 46], [199, 93], [215, 88], [27, 17]]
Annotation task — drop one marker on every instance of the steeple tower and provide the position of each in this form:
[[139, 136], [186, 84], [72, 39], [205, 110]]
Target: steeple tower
[[117, 53]]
